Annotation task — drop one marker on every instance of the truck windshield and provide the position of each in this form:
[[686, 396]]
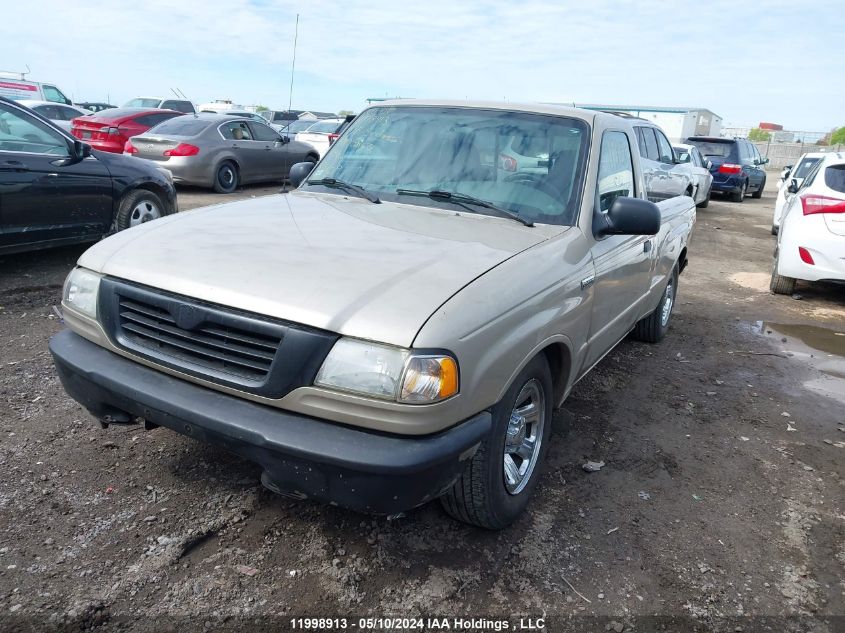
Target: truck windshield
[[529, 164]]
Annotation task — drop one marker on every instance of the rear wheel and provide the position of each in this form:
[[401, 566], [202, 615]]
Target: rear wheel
[[226, 179], [739, 196], [781, 285], [759, 193], [495, 487], [653, 328], [137, 207]]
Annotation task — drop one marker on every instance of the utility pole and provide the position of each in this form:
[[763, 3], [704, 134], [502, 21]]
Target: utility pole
[[293, 64]]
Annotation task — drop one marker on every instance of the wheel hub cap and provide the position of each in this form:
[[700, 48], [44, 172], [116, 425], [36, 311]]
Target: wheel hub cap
[[144, 211], [524, 436], [668, 300]]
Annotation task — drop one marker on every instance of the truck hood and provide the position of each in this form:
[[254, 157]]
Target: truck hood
[[373, 271]]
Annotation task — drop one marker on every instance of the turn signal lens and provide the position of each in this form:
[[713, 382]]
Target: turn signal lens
[[429, 379]]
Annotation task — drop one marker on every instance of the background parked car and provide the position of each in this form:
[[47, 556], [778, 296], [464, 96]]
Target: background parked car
[[58, 113], [17, 89], [87, 195], [220, 151], [664, 176], [162, 103], [322, 134], [109, 130], [797, 173], [699, 168], [95, 106], [735, 164], [292, 128], [811, 240]]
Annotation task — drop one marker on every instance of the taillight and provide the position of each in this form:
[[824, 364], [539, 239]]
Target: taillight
[[507, 163], [129, 148], [821, 204], [183, 149], [333, 138], [805, 256], [729, 168]]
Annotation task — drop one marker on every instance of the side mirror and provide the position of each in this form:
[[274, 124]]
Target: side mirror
[[299, 172], [79, 151], [283, 139], [764, 161], [628, 216], [793, 186]]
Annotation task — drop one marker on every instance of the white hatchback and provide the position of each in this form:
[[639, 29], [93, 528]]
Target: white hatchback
[[321, 135], [790, 173], [811, 240]]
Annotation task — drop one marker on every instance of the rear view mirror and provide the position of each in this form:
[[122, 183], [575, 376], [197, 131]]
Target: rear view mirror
[[628, 216], [793, 186], [299, 172]]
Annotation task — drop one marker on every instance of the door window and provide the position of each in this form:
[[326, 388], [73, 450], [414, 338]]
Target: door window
[[236, 131], [261, 132], [695, 155], [20, 132], [616, 170], [51, 93], [648, 144], [664, 148]]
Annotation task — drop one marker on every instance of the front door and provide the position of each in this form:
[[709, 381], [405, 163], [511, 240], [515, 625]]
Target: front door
[[622, 262], [44, 195]]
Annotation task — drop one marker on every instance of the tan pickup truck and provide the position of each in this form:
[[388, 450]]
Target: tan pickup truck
[[400, 327]]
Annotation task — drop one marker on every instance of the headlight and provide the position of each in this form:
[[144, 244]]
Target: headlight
[[80, 291], [388, 372]]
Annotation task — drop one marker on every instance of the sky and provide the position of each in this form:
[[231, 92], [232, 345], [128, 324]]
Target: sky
[[769, 60]]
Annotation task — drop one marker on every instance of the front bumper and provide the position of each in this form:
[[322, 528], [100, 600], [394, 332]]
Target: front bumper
[[305, 457]]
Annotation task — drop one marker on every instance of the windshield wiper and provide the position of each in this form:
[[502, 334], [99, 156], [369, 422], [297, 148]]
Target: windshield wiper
[[339, 184], [463, 200]]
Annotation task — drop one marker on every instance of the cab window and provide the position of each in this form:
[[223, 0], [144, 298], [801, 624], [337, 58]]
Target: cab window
[[616, 170], [51, 93], [648, 144]]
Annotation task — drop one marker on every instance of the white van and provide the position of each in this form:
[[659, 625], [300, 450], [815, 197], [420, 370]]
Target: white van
[[18, 89]]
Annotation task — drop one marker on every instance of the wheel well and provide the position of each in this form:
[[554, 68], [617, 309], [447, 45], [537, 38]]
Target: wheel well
[[316, 157], [560, 364], [682, 260], [690, 191], [147, 186]]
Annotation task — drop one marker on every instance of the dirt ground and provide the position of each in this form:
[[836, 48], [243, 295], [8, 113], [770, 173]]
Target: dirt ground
[[720, 505]]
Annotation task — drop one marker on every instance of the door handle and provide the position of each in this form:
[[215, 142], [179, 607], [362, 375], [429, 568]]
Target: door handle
[[13, 165], [587, 282], [647, 246]]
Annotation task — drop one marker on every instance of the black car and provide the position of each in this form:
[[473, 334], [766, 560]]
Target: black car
[[56, 190], [95, 106], [735, 163]]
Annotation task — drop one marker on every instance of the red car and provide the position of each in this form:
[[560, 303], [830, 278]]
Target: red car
[[109, 130]]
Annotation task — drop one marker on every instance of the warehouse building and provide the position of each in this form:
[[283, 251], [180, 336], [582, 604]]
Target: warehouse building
[[678, 123]]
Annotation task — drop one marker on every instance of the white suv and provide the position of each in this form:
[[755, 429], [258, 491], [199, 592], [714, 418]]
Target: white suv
[[811, 240], [797, 173]]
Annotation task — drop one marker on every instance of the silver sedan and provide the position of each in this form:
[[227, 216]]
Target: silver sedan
[[220, 151]]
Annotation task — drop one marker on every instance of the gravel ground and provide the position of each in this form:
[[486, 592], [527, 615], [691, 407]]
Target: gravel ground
[[720, 505]]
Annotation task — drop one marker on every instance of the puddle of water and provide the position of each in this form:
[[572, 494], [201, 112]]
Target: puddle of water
[[820, 347]]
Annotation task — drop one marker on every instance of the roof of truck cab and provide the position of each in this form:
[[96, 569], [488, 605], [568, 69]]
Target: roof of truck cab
[[536, 108]]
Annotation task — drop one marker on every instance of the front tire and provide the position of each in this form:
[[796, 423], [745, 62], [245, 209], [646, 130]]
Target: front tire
[[494, 489], [653, 328], [779, 284], [138, 207], [226, 177]]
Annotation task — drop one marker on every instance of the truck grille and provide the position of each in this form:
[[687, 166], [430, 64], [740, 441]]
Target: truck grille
[[230, 350], [215, 343]]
